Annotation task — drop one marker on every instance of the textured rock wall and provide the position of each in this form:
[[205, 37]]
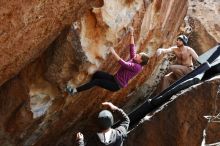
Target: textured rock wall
[[28, 28], [48, 44], [182, 121], [204, 20]]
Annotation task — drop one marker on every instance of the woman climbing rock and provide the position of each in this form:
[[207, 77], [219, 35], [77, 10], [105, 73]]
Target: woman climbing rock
[[127, 71]]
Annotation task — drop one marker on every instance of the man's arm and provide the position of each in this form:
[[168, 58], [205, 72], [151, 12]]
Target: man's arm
[[162, 50], [123, 128], [193, 53]]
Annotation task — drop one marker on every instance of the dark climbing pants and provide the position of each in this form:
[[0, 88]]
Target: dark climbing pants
[[101, 79]]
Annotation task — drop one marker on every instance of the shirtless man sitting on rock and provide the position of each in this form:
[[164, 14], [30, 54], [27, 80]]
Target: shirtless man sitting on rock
[[184, 61]]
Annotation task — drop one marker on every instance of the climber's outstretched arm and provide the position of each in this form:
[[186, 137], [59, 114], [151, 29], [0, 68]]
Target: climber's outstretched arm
[[132, 45], [131, 30], [162, 50], [115, 54]]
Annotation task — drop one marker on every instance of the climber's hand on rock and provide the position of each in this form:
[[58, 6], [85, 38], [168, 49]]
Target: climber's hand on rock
[[131, 30], [112, 50]]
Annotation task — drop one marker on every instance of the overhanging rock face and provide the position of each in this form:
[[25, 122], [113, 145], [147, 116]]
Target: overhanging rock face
[[28, 28], [48, 44]]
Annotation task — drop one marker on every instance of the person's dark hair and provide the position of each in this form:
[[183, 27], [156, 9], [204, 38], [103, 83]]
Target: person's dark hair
[[144, 58], [105, 119]]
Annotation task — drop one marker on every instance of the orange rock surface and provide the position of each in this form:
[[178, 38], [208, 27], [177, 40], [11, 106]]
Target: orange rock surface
[[46, 45]]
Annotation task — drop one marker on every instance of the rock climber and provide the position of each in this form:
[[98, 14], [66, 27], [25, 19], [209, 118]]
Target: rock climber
[[128, 69]]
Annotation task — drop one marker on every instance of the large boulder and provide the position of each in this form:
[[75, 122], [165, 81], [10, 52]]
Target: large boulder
[[48, 44], [183, 120]]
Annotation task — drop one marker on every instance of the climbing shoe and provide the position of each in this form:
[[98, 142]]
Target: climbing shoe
[[70, 90]]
